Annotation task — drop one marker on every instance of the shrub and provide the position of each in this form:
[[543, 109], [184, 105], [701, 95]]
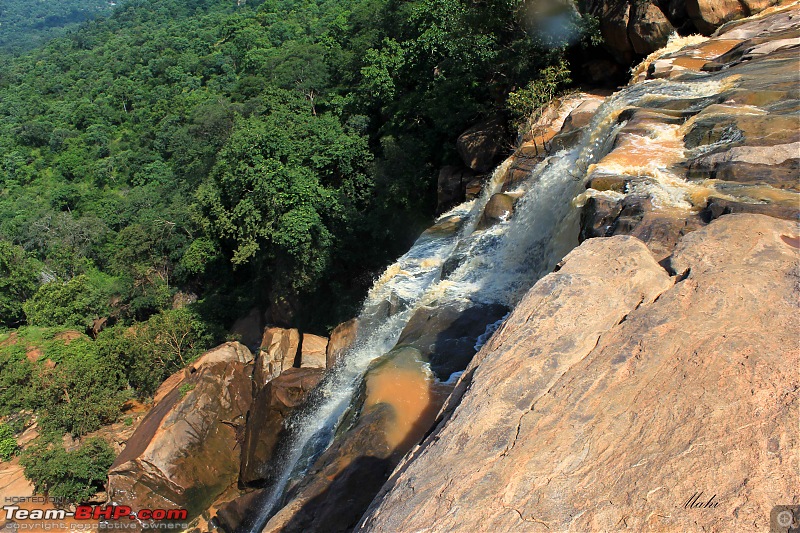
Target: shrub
[[18, 281], [8, 444], [74, 476], [150, 351]]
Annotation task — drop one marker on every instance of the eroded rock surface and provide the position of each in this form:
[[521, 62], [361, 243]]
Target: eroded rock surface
[[614, 392]]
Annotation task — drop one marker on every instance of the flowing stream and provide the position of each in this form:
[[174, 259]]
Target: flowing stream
[[496, 265]]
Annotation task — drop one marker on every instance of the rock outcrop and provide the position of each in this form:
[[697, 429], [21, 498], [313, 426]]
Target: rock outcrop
[[633, 30], [313, 351], [265, 422], [614, 393], [184, 453], [342, 337]]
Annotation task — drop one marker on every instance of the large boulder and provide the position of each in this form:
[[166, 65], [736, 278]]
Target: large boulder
[[185, 451], [481, 146], [631, 29], [313, 351], [614, 392], [273, 404], [451, 187]]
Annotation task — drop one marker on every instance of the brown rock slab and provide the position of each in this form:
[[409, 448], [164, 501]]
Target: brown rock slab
[[614, 394], [185, 453], [279, 349]]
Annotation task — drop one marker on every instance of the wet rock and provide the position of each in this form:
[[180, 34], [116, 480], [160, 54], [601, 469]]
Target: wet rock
[[396, 406], [342, 337], [498, 209], [446, 335], [313, 351], [581, 115], [265, 422], [481, 146], [185, 451], [451, 186], [604, 372], [678, 163], [279, 349]]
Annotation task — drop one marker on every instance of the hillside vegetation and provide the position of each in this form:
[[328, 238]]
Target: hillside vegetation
[[25, 24]]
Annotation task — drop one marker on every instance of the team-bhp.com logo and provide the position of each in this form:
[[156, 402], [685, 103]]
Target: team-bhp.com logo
[[89, 512]]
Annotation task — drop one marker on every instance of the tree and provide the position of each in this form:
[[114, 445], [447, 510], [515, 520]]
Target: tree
[[151, 351], [18, 282], [74, 476], [74, 303]]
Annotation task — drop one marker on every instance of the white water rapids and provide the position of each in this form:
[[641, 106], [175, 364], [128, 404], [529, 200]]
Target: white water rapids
[[494, 265]]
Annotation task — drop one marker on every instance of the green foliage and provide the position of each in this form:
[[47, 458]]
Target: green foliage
[[74, 303], [539, 91], [280, 150], [18, 282], [26, 24], [8, 444], [65, 380], [75, 476], [151, 351]]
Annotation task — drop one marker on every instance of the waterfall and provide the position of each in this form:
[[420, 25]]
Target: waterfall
[[496, 265]]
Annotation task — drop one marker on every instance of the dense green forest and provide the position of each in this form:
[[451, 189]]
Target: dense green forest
[[25, 24], [275, 154]]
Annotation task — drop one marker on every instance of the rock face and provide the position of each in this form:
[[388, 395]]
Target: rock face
[[271, 407], [184, 454], [451, 187], [614, 393]]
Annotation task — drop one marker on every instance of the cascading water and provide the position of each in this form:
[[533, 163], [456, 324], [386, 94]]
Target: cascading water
[[496, 265]]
